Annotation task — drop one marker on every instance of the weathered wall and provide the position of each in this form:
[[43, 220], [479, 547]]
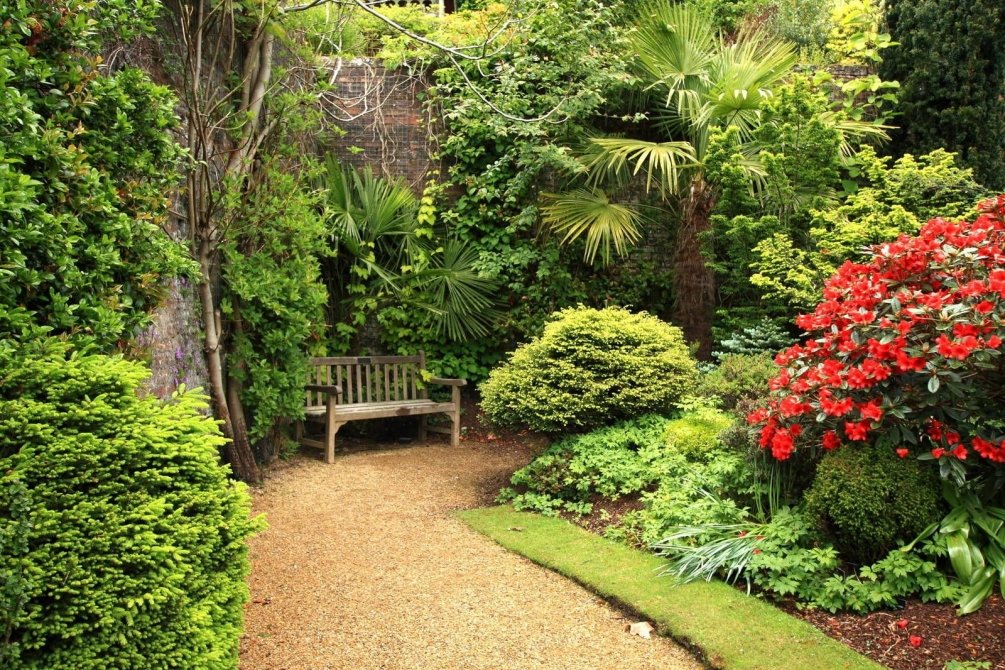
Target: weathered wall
[[381, 112], [173, 342]]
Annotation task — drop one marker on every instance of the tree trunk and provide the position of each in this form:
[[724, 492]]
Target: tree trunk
[[693, 280], [234, 426]]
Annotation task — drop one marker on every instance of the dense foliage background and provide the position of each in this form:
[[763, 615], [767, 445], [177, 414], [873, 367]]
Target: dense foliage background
[[86, 165]]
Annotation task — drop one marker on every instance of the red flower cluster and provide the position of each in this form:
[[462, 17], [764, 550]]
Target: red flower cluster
[[903, 346]]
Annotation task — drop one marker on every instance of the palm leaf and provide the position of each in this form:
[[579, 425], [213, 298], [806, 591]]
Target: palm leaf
[[854, 132], [675, 45], [459, 297], [662, 162], [589, 213]]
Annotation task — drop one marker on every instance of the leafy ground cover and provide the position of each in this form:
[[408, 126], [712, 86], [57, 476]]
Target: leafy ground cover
[[944, 636], [730, 630]]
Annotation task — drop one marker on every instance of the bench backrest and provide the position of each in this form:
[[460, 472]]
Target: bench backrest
[[369, 379]]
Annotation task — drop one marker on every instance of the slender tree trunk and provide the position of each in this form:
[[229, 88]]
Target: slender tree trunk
[[239, 453], [693, 280]]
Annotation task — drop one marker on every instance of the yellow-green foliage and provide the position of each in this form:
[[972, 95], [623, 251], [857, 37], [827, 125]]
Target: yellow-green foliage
[[738, 377], [122, 540], [695, 434], [896, 200], [351, 32], [591, 368], [855, 35]]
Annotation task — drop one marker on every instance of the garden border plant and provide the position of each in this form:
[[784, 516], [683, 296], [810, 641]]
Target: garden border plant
[[123, 538], [905, 352], [590, 368]]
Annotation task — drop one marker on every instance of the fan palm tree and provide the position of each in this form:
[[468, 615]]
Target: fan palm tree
[[700, 83], [383, 255]]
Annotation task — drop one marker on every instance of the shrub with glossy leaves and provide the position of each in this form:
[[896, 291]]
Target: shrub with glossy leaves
[[871, 502], [122, 540], [86, 160], [591, 368]]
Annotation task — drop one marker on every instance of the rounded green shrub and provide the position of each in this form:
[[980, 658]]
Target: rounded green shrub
[[695, 434], [122, 539], [870, 501], [738, 378], [590, 368]]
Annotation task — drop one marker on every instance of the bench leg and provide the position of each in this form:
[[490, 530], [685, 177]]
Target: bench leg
[[330, 441], [422, 428], [455, 418], [331, 427], [298, 431]]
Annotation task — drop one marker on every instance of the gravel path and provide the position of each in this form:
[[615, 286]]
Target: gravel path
[[363, 567]]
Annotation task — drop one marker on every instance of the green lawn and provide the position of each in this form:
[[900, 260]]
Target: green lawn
[[732, 631]]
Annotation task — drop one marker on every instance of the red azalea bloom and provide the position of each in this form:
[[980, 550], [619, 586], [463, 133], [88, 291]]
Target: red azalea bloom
[[902, 624], [946, 310], [984, 307], [908, 363], [856, 432], [871, 410], [782, 444], [831, 440], [915, 640]]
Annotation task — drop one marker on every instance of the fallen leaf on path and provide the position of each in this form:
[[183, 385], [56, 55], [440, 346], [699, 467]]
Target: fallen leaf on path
[[643, 629], [518, 529]]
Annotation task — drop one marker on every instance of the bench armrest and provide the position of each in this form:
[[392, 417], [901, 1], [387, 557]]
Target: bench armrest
[[448, 382], [324, 388]]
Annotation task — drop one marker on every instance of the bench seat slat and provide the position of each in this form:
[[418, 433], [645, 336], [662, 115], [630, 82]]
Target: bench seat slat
[[382, 410]]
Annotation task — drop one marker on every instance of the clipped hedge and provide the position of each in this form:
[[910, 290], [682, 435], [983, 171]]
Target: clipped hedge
[[871, 501], [590, 368], [122, 540]]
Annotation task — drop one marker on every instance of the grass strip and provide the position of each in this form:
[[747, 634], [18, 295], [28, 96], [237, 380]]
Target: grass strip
[[729, 629]]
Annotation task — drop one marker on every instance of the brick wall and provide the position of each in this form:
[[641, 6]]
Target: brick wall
[[381, 112]]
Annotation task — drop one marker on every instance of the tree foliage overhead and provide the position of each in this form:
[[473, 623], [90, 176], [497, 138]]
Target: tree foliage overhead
[[85, 163], [951, 67]]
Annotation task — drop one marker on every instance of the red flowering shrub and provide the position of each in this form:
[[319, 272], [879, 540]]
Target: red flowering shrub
[[904, 351]]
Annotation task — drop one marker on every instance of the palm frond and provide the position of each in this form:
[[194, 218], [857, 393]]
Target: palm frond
[[458, 296], [854, 132], [589, 213], [662, 162], [745, 73], [675, 45]]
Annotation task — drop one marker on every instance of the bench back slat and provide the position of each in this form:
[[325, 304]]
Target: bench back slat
[[364, 360], [369, 379]]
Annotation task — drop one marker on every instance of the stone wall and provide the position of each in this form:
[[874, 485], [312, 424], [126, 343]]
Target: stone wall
[[173, 342]]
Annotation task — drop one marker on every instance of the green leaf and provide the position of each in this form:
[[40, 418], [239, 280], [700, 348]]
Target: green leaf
[[961, 553]]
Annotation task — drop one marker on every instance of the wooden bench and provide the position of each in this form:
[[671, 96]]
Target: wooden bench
[[352, 388]]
